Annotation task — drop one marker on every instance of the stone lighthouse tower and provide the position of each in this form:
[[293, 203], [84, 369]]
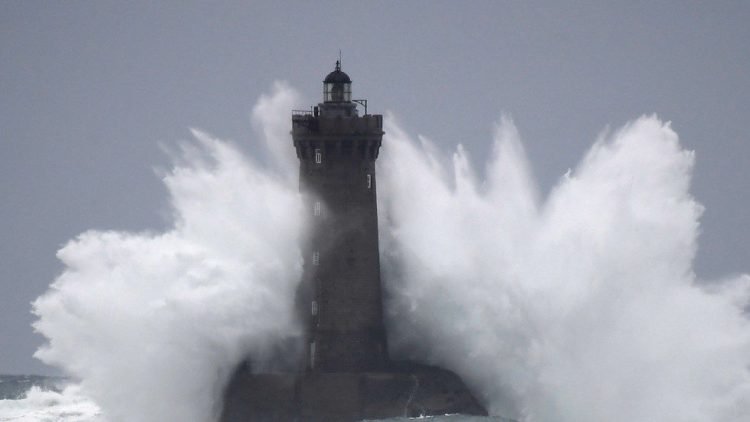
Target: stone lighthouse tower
[[346, 374], [340, 294]]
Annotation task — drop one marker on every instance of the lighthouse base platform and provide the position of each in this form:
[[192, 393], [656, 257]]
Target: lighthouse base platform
[[408, 390]]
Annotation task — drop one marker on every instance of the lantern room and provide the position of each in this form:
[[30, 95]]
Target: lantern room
[[337, 87]]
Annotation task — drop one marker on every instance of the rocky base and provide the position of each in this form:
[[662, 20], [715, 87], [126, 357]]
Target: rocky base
[[408, 390]]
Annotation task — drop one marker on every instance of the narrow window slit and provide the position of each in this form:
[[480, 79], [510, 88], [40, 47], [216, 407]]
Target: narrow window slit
[[312, 355]]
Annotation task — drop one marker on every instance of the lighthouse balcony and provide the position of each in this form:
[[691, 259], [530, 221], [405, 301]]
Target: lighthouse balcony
[[305, 123]]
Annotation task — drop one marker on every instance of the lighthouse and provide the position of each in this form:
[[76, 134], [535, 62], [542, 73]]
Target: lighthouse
[[339, 298], [344, 373]]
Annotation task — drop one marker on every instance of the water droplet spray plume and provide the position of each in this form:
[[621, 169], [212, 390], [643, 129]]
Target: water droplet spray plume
[[579, 307]]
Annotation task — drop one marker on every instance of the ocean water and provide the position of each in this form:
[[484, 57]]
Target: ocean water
[[30, 398], [578, 306]]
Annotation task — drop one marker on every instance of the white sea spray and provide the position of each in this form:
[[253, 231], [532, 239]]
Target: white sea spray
[[581, 306], [154, 323]]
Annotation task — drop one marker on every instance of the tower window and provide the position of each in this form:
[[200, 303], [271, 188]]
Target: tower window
[[314, 308], [369, 181], [316, 258], [318, 156], [316, 208]]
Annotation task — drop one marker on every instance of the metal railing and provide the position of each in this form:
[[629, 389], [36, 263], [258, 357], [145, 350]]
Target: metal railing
[[301, 113]]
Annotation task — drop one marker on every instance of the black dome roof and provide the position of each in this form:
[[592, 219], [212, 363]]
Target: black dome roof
[[337, 76]]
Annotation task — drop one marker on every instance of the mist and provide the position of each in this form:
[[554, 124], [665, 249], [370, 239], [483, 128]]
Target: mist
[[580, 306]]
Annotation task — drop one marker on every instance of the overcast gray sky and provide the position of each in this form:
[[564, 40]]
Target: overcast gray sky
[[88, 91]]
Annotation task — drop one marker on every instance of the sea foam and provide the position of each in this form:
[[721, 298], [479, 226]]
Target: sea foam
[[41, 405]]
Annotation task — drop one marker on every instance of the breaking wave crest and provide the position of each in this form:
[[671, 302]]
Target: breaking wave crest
[[43, 405], [580, 307]]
